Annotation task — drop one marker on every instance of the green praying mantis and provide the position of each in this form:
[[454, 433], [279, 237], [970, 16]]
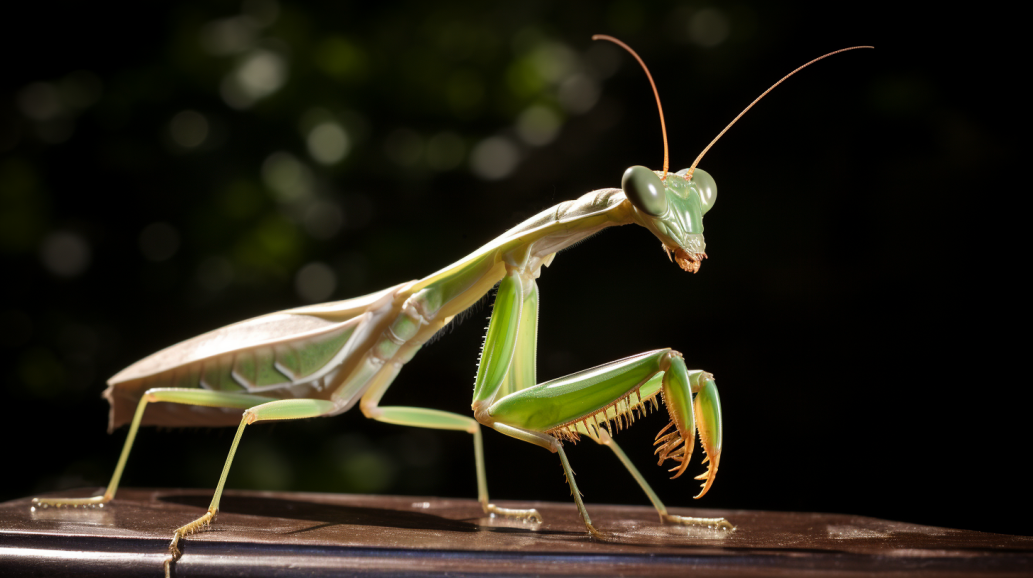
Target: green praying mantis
[[321, 360]]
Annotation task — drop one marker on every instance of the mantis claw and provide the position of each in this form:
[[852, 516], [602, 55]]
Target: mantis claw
[[596, 534], [707, 406], [94, 502], [527, 515], [199, 525], [686, 413], [173, 555], [708, 523]]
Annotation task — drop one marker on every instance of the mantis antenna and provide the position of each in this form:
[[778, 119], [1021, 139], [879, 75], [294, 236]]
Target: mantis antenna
[[692, 169], [663, 126]]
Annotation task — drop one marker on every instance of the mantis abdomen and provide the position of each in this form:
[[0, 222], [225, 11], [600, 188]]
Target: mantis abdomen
[[301, 353]]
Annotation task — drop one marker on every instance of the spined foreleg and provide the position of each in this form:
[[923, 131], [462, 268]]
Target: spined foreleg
[[600, 401]]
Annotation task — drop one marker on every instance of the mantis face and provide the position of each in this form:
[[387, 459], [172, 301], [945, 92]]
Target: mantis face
[[673, 210]]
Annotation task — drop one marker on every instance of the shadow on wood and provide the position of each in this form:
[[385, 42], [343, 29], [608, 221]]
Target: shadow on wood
[[328, 514]]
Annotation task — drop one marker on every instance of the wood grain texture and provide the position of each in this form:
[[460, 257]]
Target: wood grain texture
[[298, 534]]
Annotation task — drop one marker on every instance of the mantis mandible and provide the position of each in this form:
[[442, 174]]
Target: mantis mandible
[[321, 360]]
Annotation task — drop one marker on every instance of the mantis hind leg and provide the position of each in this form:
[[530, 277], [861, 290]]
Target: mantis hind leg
[[272, 410], [716, 523], [202, 397]]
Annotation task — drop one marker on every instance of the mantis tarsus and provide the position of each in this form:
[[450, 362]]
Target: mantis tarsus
[[322, 359]]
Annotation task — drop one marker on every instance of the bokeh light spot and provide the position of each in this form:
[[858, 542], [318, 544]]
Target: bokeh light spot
[[258, 74], [287, 177], [315, 282], [578, 94], [554, 61], [328, 143], [538, 125], [522, 78], [189, 129], [40, 101], [494, 158], [709, 27], [262, 72], [65, 254]]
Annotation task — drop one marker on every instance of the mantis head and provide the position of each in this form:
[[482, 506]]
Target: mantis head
[[673, 208], [672, 205]]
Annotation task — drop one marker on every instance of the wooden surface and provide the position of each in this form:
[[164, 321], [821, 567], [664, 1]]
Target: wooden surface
[[279, 534]]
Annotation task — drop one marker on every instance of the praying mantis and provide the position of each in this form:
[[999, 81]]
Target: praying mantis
[[322, 360]]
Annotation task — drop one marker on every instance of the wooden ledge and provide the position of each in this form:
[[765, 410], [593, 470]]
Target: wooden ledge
[[292, 534]]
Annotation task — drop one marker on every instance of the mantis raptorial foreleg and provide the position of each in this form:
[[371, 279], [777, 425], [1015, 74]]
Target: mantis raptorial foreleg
[[436, 419], [273, 410], [200, 397], [585, 402]]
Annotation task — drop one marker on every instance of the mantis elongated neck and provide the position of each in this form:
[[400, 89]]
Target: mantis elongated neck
[[521, 250]]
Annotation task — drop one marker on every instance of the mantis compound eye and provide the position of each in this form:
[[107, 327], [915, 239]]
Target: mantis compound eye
[[707, 188], [645, 190], [705, 184]]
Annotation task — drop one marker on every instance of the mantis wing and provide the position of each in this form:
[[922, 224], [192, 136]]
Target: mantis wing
[[294, 353]]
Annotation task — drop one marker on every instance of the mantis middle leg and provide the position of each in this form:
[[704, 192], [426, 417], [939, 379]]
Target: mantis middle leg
[[273, 410], [436, 419], [507, 398]]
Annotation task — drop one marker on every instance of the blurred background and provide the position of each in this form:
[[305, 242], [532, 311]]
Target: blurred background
[[168, 170]]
